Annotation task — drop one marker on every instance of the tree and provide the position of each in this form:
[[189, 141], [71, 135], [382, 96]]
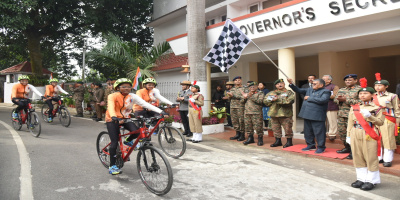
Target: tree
[[120, 58], [39, 21]]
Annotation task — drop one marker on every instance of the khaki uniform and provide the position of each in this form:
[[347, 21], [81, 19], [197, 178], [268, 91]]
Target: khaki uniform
[[253, 114], [364, 148], [351, 94], [79, 93], [194, 122], [237, 108], [99, 97], [107, 92], [389, 103], [281, 112]]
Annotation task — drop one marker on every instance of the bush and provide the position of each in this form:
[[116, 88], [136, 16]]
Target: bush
[[209, 120]]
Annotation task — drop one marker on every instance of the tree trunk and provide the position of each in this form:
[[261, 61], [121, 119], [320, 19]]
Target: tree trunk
[[35, 53]]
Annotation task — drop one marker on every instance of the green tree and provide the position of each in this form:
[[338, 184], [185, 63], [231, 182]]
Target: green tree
[[120, 58], [40, 21]]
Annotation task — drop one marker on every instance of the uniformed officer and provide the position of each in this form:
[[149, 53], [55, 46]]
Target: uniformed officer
[[79, 92], [92, 99], [253, 116], [196, 101], [183, 99], [346, 97], [363, 135], [389, 103], [281, 102], [227, 98], [109, 89], [237, 108]]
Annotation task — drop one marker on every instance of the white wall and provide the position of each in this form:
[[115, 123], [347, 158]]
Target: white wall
[[163, 7], [170, 29], [8, 88]]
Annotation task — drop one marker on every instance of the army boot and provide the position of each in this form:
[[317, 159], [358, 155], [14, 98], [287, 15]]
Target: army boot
[[346, 149], [350, 156], [278, 142], [241, 137], [236, 136], [260, 140], [288, 143], [249, 140]]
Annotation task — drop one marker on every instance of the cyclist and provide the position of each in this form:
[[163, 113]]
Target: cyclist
[[51, 94], [151, 95], [119, 107], [19, 94]]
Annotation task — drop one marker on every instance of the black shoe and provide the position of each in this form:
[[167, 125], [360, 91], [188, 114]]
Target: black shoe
[[380, 161], [94, 116], [346, 149], [78, 115], [387, 164], [260, 140], [184, 133], [350, 156], [98, 119], [189, 135], [302, 132], [357, 184], [249, 140], [241, 137], [367, 186], [288, 143], [278, 142], [236, 136]]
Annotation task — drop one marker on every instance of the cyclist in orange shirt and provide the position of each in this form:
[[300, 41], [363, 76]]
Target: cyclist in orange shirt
[[19, 94], [119, 107], [151, 95], [51, 94]]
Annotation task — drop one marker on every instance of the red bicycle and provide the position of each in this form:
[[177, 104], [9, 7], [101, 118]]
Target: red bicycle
[[61, 111], [152, 165], [31, 119]]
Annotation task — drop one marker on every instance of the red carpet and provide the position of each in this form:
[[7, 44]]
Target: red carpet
[[330, 153]]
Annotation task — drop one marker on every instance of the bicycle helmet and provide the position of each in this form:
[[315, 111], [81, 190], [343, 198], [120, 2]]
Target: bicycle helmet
[[53, 80], [120, 81], [23, 77], [150, 80]]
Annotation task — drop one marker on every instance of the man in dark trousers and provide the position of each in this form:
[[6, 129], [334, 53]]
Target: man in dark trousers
[[313, 111], [183, 99], [310, 80], [217, 98]]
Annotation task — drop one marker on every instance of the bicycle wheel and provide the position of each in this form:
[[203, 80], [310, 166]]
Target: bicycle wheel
[[103, 150], [154, 170], [17, 125], [172, 142], [64, 116], [45, 112], [34, 125]]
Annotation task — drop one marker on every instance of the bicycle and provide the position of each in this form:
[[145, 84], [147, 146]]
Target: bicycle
[[170, 139], [31, 119], [153, 167], [63, 113]]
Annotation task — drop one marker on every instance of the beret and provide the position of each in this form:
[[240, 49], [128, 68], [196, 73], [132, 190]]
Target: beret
[[350, 76], [237, 77], [383, 82], [367, 89]]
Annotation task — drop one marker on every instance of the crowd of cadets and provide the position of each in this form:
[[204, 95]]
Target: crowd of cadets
[[363, 118], [366, 117]]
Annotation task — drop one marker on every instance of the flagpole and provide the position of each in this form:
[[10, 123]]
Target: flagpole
[[269, 59]]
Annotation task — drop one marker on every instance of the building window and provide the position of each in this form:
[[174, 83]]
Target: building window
[[253, 8], [212, 21], [270, 3], [223, 18], [207, 23]]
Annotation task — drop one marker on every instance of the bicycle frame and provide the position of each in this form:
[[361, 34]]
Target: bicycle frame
[[126, 151], [26, 116]]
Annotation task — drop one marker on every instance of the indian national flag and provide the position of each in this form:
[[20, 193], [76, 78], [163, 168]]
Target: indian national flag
[[138, 78]]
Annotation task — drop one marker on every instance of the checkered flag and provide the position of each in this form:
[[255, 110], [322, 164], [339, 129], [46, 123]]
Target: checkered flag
[[228, 47]]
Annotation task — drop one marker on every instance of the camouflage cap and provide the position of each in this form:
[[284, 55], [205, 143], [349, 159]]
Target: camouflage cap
[[252, 83]]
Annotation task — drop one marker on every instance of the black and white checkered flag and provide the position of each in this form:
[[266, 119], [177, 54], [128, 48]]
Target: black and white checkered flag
[[228, 48]]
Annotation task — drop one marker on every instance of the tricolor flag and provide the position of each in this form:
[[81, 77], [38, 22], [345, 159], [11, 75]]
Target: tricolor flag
[[138, 78], [228, 47]]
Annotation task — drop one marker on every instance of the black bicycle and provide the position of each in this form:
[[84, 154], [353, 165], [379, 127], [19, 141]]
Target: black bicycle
[[30, 118]]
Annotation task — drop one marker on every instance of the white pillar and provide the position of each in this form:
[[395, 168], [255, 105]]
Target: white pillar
[[8, 78], [286, 62]]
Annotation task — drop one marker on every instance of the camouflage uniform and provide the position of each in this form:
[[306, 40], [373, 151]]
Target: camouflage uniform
[[281, 112], [228, 107], [351, 95], [237, 108], [78, 97], [253, 114], [107, 92]]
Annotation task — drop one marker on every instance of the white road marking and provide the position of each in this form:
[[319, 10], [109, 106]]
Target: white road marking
[[296, 172], [25, 175]]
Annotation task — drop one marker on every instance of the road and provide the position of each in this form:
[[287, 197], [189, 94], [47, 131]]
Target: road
[[62, 164]]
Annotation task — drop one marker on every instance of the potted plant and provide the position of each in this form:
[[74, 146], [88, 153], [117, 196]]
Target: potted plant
[[177, 121], [398, 143], [219, 113], [212, 125], [168, 120]]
